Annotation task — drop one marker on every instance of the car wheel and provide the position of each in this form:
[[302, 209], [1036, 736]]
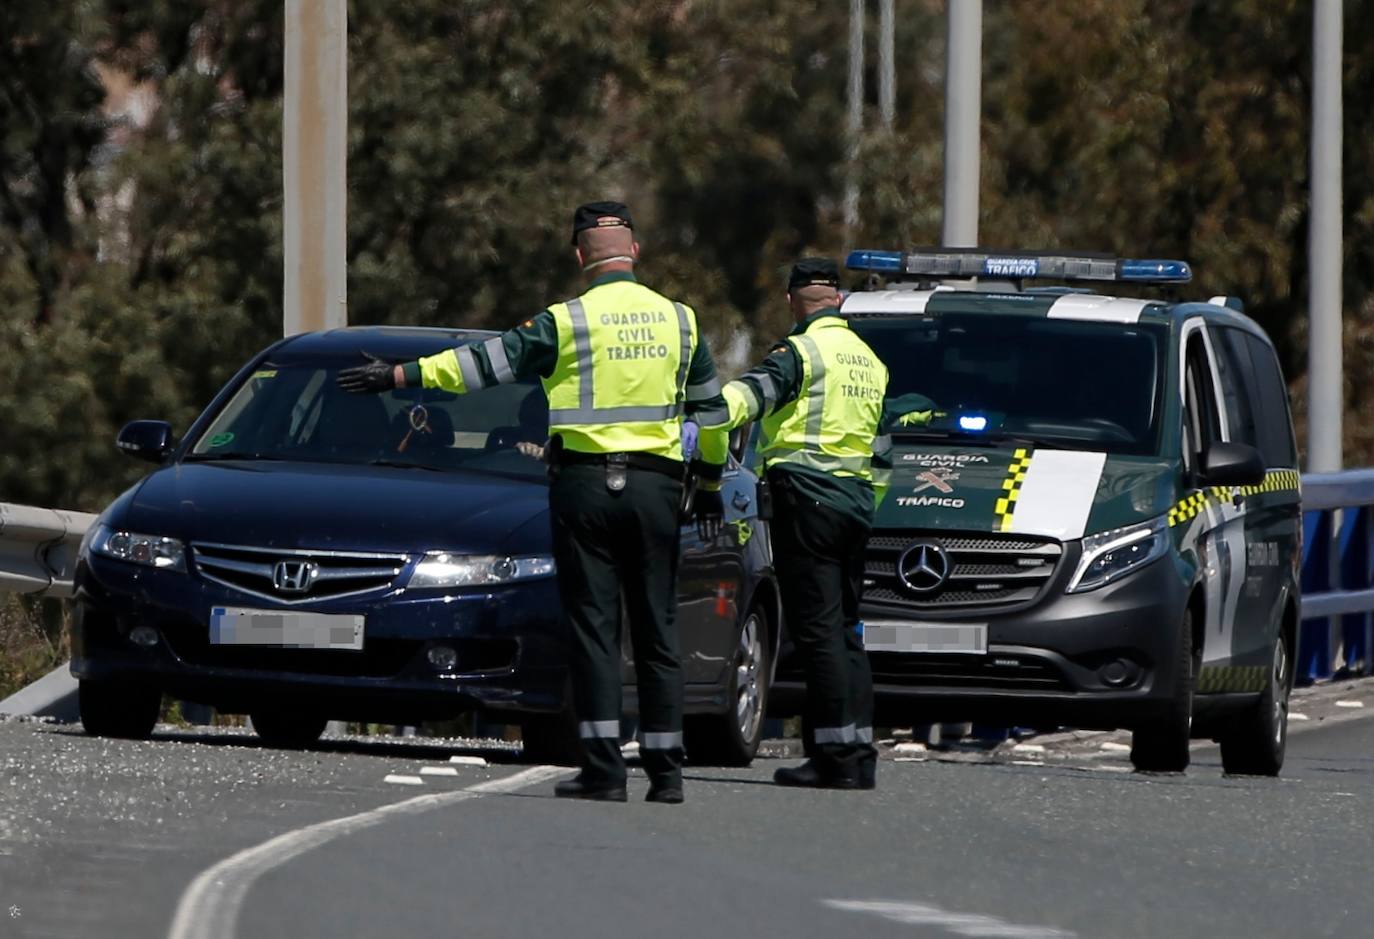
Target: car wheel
[[551, 738], [732, 738], [287, 730], [116, 709], [1161, 746], [1254, 745]]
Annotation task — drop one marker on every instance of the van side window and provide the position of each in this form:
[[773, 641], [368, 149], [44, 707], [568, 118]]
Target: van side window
[[1239, 388], [1202, 425], [1275, 422]]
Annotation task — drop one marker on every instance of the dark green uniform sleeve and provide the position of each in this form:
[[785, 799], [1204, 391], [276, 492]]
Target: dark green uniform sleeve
[[527, 350]]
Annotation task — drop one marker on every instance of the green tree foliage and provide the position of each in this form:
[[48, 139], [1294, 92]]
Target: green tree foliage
[[140, 173]]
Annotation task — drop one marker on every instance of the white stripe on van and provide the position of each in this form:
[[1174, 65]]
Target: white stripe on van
[[1075, 306], [1058, 493]]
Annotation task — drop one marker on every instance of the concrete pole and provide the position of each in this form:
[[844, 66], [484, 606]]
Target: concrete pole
[[887, 66], [314, 154], [854, 124], [963, 108], [1325, 398]]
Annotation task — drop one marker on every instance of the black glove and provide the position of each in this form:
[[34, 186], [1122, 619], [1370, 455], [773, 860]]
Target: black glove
[[710, 513], [374, 377]]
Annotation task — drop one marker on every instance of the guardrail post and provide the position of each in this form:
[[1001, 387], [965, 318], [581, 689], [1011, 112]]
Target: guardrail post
[[1314, 635]]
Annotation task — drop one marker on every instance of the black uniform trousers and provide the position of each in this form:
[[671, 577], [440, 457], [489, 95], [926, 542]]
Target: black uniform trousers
[[608, 544], [818, 554]]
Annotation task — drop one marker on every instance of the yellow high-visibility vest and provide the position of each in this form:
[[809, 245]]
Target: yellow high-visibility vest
[[619, 385], [831, 424]]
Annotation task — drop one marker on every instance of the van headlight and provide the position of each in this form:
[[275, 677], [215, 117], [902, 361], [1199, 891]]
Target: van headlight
[[1113, 554], [149, 550], [440, 569]]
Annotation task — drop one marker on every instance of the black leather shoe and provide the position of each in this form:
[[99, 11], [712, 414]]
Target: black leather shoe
[[868, 774], [810, 776], [668, 795], [577, 789]]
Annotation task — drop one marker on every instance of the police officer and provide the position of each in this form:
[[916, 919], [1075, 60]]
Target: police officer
[[819, 394], [621, 365]]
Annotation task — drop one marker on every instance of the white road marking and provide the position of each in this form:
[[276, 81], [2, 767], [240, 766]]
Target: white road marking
[[1028, 748], [909, 748], [1349, 704], [402, 779], [209, 907], [1295, 716], [438, 771], [961, 924], [1027, 762], [1115, 747], [468, 760]]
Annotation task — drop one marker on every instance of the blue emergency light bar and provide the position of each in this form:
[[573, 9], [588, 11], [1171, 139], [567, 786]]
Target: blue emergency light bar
[[976, 262]]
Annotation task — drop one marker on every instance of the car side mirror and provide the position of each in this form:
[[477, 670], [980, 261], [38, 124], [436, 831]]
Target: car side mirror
[[1232, 464], [146, 440]]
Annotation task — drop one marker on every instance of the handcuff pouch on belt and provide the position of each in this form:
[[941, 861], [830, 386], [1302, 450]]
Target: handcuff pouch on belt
[[617, 466]]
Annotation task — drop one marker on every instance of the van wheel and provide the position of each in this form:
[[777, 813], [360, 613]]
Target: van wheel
[[1161, 746], [116, 709], [732, 737], [1255, 743], [286, 730]]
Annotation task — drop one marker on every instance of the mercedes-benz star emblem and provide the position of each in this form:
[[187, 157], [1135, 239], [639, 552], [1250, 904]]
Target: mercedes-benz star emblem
[[923, 567]]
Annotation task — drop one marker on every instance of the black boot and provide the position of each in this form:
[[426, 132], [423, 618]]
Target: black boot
[[668, 794], [868, 773], [594, 792], [812, 775]]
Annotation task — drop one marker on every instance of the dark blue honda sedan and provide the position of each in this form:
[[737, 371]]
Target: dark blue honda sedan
[[306, 555]]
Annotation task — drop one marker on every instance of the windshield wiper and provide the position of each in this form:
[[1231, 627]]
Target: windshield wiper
[[231, 455], [401, 464], [965, 436]]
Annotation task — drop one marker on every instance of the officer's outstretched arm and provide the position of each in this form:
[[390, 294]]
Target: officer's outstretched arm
[[529, 349], [763, 389]]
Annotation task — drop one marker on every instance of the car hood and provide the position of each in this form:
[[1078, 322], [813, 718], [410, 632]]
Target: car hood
[[328, 506], [1043, 492]]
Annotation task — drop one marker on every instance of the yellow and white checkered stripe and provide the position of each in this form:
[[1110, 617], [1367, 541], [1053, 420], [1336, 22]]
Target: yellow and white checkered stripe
[[1214, 679], [1190, 505], [1011, 488]]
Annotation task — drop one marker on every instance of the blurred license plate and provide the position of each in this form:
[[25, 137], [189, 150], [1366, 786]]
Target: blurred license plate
[[235, 626], [903, 636]]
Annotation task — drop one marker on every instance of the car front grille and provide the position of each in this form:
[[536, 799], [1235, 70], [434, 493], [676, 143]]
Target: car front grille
[[985, 570], [966, 671], [296, 576]]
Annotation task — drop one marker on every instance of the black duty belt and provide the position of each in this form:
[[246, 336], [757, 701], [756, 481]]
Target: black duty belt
[[640, 461]]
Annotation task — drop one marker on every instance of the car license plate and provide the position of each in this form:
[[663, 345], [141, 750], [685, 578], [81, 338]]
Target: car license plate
[[906, 636], [288, 629]]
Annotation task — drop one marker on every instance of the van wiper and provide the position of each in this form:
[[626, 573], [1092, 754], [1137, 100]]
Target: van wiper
[[965, 436], [401, 464], [230, 455]]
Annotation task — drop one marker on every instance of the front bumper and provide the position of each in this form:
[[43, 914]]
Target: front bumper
[[1045, 663], [510, 647]]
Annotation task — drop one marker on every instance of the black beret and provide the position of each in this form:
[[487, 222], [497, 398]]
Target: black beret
[[814, 272], [600, 215]]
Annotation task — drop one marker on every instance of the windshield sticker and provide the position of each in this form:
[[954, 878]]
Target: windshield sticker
[[219, 440], [265, 373]]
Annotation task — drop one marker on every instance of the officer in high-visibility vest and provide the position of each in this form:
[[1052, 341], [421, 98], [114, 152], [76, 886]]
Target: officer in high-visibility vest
[[622, 366], [819, 394]]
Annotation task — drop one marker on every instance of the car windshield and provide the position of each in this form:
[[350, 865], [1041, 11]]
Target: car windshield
[[298, 413], [1061, 383]]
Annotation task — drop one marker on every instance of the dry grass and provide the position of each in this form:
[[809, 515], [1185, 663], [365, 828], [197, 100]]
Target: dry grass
[[33, 640]]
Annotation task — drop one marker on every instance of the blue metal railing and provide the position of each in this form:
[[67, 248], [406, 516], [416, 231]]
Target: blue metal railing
[[1337, 575]]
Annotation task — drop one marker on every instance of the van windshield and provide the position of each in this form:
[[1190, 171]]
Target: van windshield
[[1054, 382]]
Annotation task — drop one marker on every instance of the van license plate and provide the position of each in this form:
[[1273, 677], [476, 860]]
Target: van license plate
[[945, 638], [285, 629]]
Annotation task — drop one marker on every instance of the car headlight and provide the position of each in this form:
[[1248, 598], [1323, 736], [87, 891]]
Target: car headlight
[[440, 569], [1111, 555], [150, 550]]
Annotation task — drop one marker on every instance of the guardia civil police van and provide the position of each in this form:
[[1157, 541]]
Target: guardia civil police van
[[1093, 518]]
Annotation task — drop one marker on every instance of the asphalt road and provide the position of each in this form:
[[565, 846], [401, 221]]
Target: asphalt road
[[105, 838]]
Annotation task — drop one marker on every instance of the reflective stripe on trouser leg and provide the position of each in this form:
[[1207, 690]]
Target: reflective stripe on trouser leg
[[845, 734], [863, 734], [662, 741], [594, 730]]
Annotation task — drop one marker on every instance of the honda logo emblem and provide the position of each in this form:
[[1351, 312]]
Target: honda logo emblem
[[924, 567], [294, 576]]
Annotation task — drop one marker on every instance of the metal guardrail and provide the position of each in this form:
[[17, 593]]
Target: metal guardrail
[[38, 555], [38, 549]]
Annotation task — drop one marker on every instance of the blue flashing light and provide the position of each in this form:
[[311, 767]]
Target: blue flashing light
[[1141, 270], [935, 263], [973, 422], [882, 262]]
